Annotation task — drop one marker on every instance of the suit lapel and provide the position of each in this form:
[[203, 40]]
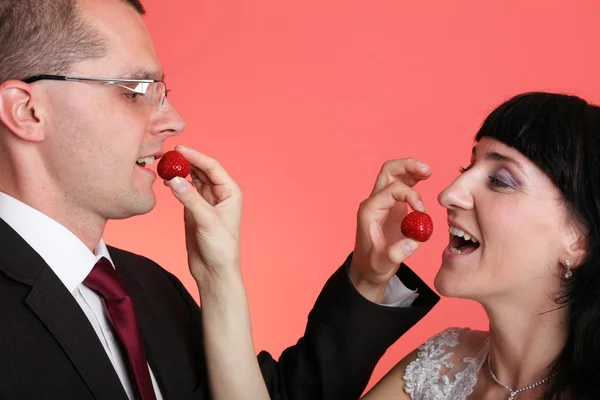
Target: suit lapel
[[56, 308]]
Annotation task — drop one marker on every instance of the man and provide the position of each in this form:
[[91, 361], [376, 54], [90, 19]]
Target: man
[[82, 110]]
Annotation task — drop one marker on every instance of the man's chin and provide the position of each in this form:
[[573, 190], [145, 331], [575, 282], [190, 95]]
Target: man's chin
[[142, 205]]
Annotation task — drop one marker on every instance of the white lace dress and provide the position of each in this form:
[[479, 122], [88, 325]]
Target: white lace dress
[[439, 372]]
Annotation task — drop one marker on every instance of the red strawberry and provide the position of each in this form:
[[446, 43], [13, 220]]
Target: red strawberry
[[418, 226], [173, 164]]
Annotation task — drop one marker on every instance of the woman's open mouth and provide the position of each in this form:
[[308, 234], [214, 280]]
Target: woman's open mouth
[[461, 242]]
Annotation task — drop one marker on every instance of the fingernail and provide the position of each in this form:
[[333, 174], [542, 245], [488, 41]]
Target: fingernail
[[179, 185], [422, 166], [421, 206], [409, 246]]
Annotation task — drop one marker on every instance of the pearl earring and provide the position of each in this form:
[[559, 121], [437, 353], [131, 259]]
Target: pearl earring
[[568, 274]]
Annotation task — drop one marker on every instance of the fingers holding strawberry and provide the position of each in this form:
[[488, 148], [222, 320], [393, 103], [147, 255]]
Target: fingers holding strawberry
[[409, 171], [212, 213], [380, 245]]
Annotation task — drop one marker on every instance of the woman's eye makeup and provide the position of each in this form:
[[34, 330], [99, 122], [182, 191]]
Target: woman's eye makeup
[[500, 179]]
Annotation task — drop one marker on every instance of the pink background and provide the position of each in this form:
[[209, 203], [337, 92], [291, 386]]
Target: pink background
[[302, 101]]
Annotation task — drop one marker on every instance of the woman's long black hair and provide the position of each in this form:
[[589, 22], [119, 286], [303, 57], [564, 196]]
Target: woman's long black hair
[[561, 135]]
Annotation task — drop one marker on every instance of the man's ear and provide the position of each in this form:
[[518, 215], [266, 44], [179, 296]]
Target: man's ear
[[20, 110]]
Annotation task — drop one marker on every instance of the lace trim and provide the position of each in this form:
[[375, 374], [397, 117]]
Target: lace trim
[[423, 377]]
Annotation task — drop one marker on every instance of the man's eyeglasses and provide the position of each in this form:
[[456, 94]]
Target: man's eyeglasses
[[145, 90]]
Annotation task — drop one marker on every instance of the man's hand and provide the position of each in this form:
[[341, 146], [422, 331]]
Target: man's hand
[[212, 213], [380, 247]]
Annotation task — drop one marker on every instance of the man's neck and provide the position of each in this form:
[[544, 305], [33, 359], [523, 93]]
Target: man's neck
[[86, 226]]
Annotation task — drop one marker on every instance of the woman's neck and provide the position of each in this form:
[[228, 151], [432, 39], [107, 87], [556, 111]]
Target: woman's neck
[[525, 340]]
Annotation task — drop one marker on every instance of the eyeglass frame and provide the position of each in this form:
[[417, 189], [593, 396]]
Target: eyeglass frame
[[106, 81]]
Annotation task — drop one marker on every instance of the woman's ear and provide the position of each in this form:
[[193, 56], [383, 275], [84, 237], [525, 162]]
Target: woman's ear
[[577, 246], [20, 110]]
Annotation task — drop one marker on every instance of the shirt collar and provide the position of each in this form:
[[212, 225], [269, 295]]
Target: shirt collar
[[64, 252]]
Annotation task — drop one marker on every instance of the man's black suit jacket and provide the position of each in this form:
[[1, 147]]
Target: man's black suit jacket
[[49, 350]]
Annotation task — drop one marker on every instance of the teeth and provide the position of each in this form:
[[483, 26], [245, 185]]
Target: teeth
[[455, 250], [460, 233], [147, 160], [457, 232]]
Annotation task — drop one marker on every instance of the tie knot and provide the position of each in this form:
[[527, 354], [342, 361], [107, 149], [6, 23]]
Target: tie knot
[[103, 279]]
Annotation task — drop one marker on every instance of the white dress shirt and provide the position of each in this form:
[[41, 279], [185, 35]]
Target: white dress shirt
[[71, 261], [398, 295]]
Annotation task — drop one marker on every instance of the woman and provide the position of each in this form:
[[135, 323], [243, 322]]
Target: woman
[[528, 205], [524, 220]]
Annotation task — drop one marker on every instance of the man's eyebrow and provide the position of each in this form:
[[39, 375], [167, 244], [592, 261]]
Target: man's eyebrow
[[143, 74]]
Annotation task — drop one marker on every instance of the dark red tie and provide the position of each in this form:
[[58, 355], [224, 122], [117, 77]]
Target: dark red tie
[[106, 283]]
